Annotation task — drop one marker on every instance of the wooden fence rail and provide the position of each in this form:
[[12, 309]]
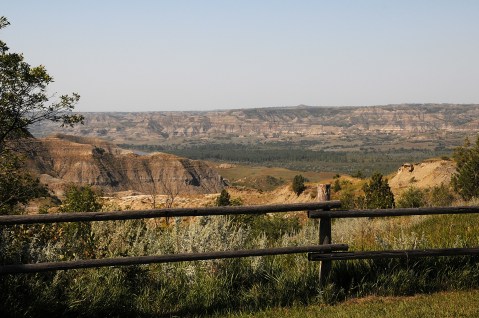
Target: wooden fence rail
[[339, 214], [336, 256], [148, 214], [171, 258]]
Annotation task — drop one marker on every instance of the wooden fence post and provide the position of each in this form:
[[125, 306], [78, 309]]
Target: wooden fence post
[[324, 194]]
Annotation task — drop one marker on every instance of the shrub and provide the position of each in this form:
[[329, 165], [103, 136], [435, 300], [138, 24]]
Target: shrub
[[358, 174], [336, 185], [347, 199], [411, 198], [81, 199], [440, 196]]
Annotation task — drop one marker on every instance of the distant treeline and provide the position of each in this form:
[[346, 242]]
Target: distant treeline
[[297, 158]]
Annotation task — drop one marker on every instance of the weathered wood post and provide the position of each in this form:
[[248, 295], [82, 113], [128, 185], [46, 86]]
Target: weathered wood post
[[324, 194]]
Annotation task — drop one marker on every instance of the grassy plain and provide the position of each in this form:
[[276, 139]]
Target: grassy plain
[[266, 178]]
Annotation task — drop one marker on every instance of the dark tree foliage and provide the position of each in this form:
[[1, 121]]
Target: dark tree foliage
[[466, 179], [298, 184], [223, 199], [377, 193], [17, 186]]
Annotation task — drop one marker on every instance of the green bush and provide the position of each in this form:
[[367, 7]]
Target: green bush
[[336, 185], [411, 198], [440, 196]]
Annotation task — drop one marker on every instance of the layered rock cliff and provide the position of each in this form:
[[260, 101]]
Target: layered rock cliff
[[66, 159], [274, 122]]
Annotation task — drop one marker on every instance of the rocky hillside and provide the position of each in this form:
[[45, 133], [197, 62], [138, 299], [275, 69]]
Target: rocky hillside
[[423, 175], [274, 122], [66, 159]]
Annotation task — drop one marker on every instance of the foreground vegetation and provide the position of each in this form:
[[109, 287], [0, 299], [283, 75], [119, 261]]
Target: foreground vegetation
[[219, 286]]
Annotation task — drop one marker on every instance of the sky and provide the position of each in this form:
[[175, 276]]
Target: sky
[[203, 55]]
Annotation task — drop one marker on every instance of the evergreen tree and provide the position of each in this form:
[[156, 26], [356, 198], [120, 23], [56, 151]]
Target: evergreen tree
[[377, 193], [298, 184], [466, 179], [223, 199]]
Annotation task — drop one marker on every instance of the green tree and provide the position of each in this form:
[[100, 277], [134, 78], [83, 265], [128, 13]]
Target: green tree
[[223, 199], [23, 96], [466, 179], [377, 193], [298, 184]]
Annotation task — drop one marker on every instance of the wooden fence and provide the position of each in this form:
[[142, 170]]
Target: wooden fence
[[325, 252], [10, 220]]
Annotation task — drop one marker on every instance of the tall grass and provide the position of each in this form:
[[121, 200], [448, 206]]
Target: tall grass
[[204, 287]]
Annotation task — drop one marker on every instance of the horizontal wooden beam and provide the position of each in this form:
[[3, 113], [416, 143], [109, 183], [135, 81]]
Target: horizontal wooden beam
[[392, 212], [171, 258], [393, 254], [177, 212]]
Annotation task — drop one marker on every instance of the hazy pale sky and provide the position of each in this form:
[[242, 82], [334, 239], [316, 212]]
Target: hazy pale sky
[[199, 55]]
